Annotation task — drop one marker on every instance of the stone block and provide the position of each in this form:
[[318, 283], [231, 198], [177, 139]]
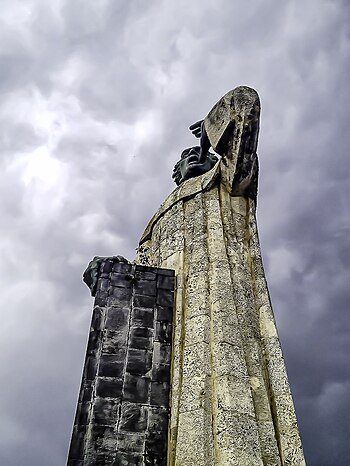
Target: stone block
[[235, 394], [147, 302], [127, 459], [198, 330], [146, 275], [161, 353], [240, 432], [112, 365], [268, 443], [141, 337], [93, 342], [155, 446], [105, 411], [77, 445], [130, 442], [144, 269], [121, 267], [165, 298], [113, 342], [163, 332], [196, 360], [160, 394], [196, 393], [90, 368], [120, 280], [195, 444], [109, 388], [133, 418], [164, 314], [106, 267], [85, 391], [167, 272], [103, 284], [97, 318], [99, 460], [158, 418], [117, 318], [102, 441], [120, 297], [166, 282], [136, 388], [101, 299], [230, 360], [76, 463], [145, 287], [139, 361], [161, 373], [82, 414], [142, 317]]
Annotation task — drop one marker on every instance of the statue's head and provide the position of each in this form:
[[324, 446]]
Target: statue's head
[[190, 165]]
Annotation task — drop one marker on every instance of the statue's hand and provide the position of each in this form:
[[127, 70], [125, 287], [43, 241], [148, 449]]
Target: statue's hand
[[196, 128], [92, 272], [177, 173]]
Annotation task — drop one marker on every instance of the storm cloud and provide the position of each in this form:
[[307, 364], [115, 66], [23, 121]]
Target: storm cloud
[[96, 101]]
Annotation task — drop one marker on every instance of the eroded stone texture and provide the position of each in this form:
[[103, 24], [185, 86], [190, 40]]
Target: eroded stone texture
[[230, 401], [122, 413]]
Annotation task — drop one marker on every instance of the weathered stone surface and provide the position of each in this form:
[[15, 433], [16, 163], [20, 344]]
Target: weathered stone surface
[[122, 413], [230, 398]]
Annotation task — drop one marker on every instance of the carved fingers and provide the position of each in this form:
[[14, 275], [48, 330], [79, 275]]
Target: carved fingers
[[177, 173], [196, 128]]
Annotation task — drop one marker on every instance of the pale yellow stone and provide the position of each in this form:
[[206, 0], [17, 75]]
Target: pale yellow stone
[[269, 448], [268, 327], [234, 394], [194, 444], [238, 442], [230, 396], [198, 330], [196, 360], [229, 360], [194, 393]]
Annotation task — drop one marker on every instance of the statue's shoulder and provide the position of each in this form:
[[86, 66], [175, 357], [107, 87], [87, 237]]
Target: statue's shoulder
[[185, 191]]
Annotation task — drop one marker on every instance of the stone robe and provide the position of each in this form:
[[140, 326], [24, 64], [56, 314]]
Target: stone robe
[[230, 397]]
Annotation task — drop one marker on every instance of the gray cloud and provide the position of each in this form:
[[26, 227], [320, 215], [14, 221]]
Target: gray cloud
[[96, 101]]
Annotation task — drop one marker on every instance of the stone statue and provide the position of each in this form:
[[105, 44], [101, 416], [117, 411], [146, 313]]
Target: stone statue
[[231, 403], [230, 397], [193, 163]]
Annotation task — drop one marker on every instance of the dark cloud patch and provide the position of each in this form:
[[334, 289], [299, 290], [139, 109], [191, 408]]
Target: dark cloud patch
[[97, 99]]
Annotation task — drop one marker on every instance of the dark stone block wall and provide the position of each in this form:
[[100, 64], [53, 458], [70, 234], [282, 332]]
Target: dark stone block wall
[[122, 413]]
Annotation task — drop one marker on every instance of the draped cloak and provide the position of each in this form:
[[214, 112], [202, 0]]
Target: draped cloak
[[230, 398]]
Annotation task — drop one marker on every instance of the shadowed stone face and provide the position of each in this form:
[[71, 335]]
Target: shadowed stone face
[[190, 164]]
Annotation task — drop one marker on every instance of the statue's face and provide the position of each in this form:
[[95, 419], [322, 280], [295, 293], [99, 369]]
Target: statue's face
[[190, 166]]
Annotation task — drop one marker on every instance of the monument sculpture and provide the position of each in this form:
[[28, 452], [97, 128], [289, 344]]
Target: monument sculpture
[[230, 400]]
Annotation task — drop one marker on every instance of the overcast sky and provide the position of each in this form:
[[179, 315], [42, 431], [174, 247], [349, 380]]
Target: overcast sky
[[96, 98]]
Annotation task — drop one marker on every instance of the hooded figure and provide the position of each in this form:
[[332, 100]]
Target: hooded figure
[[230, 397]]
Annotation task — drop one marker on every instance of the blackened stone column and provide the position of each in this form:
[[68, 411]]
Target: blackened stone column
[[122, 413]]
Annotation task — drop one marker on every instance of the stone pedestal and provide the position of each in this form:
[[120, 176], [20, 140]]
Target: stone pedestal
[[123, 406]]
